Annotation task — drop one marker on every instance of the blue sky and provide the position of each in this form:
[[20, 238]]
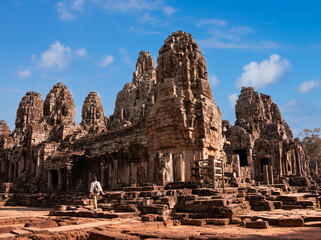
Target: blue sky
[[92, 45]]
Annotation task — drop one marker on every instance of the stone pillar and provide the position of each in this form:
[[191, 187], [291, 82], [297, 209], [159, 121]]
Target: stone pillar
[[271, 175], [15, 171], [179, 168], [102, 174], [236, 165], [266, 173], [68, 178], [10, 172], [59, 178], [37, 167], [49, 184]]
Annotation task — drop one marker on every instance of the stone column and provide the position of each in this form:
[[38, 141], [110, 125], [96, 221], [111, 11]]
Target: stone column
[[49, 179], [179, 168], [271, 175], [266, 173], [68, 178], [59, 178], [37, 167], [10, 172], [15, 171], [102, 174]]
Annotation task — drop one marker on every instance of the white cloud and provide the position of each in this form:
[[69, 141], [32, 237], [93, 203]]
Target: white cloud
[[169, 10], [33, 58], [107, 59], [69, 9], [210, 21], [11, 90], [214, 81], [57, 56], [77, 5], [147, 18], [81, 52], [64, 11], [125, 57], [261, 74], [223, 36], [309, 86], [232, 99], [23, 74]]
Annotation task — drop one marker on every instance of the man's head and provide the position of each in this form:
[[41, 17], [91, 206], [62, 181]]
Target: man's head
[[95, 178]]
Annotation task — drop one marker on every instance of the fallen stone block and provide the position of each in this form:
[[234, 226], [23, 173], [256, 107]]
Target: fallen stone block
[[7, 229], [217, 221], [160, 209], [291, 222], [257, 224], [42, 224], [313, 224], [21, 232], [149, 217], [181, 216], [194, 222], [126, 208], [109, 235], [163, 218], [235, 220], [86, 214], [244, 221]]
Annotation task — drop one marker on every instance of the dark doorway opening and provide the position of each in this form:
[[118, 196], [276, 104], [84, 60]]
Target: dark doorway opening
[[243, 157], [54, 178], [264, 161]]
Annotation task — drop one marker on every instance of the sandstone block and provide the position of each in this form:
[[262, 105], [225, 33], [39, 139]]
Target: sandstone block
[[291, 222], [257, 224]]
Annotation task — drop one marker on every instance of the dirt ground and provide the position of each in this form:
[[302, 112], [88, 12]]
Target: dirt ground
[[156, 230]]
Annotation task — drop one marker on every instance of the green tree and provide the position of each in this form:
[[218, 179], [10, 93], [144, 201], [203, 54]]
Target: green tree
[[312, 143]]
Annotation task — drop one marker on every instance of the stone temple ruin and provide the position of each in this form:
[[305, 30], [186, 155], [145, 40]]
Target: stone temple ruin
[[165, 142], [164, 121]]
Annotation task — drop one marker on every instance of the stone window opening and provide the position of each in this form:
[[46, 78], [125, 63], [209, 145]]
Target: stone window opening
[[243, 157]]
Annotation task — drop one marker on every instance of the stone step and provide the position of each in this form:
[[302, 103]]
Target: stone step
[[313, 224]]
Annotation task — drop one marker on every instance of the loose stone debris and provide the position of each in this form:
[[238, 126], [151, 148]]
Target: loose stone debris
[[170, 166]]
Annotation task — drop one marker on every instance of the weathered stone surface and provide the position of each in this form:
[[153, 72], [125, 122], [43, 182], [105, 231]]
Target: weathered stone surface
[[291, 222], [4, 128], [42, 224], [195, 222], [133, 102], [59, 107], [93, 118], [263, 141], [30, 110], [257, 224], [184, 114]]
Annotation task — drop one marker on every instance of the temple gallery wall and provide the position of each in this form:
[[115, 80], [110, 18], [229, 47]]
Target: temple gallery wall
[[166, 128]]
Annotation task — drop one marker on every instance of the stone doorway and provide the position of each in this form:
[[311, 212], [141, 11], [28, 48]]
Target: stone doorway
[[54, 180], [243, 157], [263, 162]]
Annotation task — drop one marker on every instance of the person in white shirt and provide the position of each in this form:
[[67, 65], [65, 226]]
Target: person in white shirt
[[95, 190]]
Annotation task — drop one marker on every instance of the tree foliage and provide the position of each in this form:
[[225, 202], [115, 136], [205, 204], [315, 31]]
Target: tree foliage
[[312, 143]]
